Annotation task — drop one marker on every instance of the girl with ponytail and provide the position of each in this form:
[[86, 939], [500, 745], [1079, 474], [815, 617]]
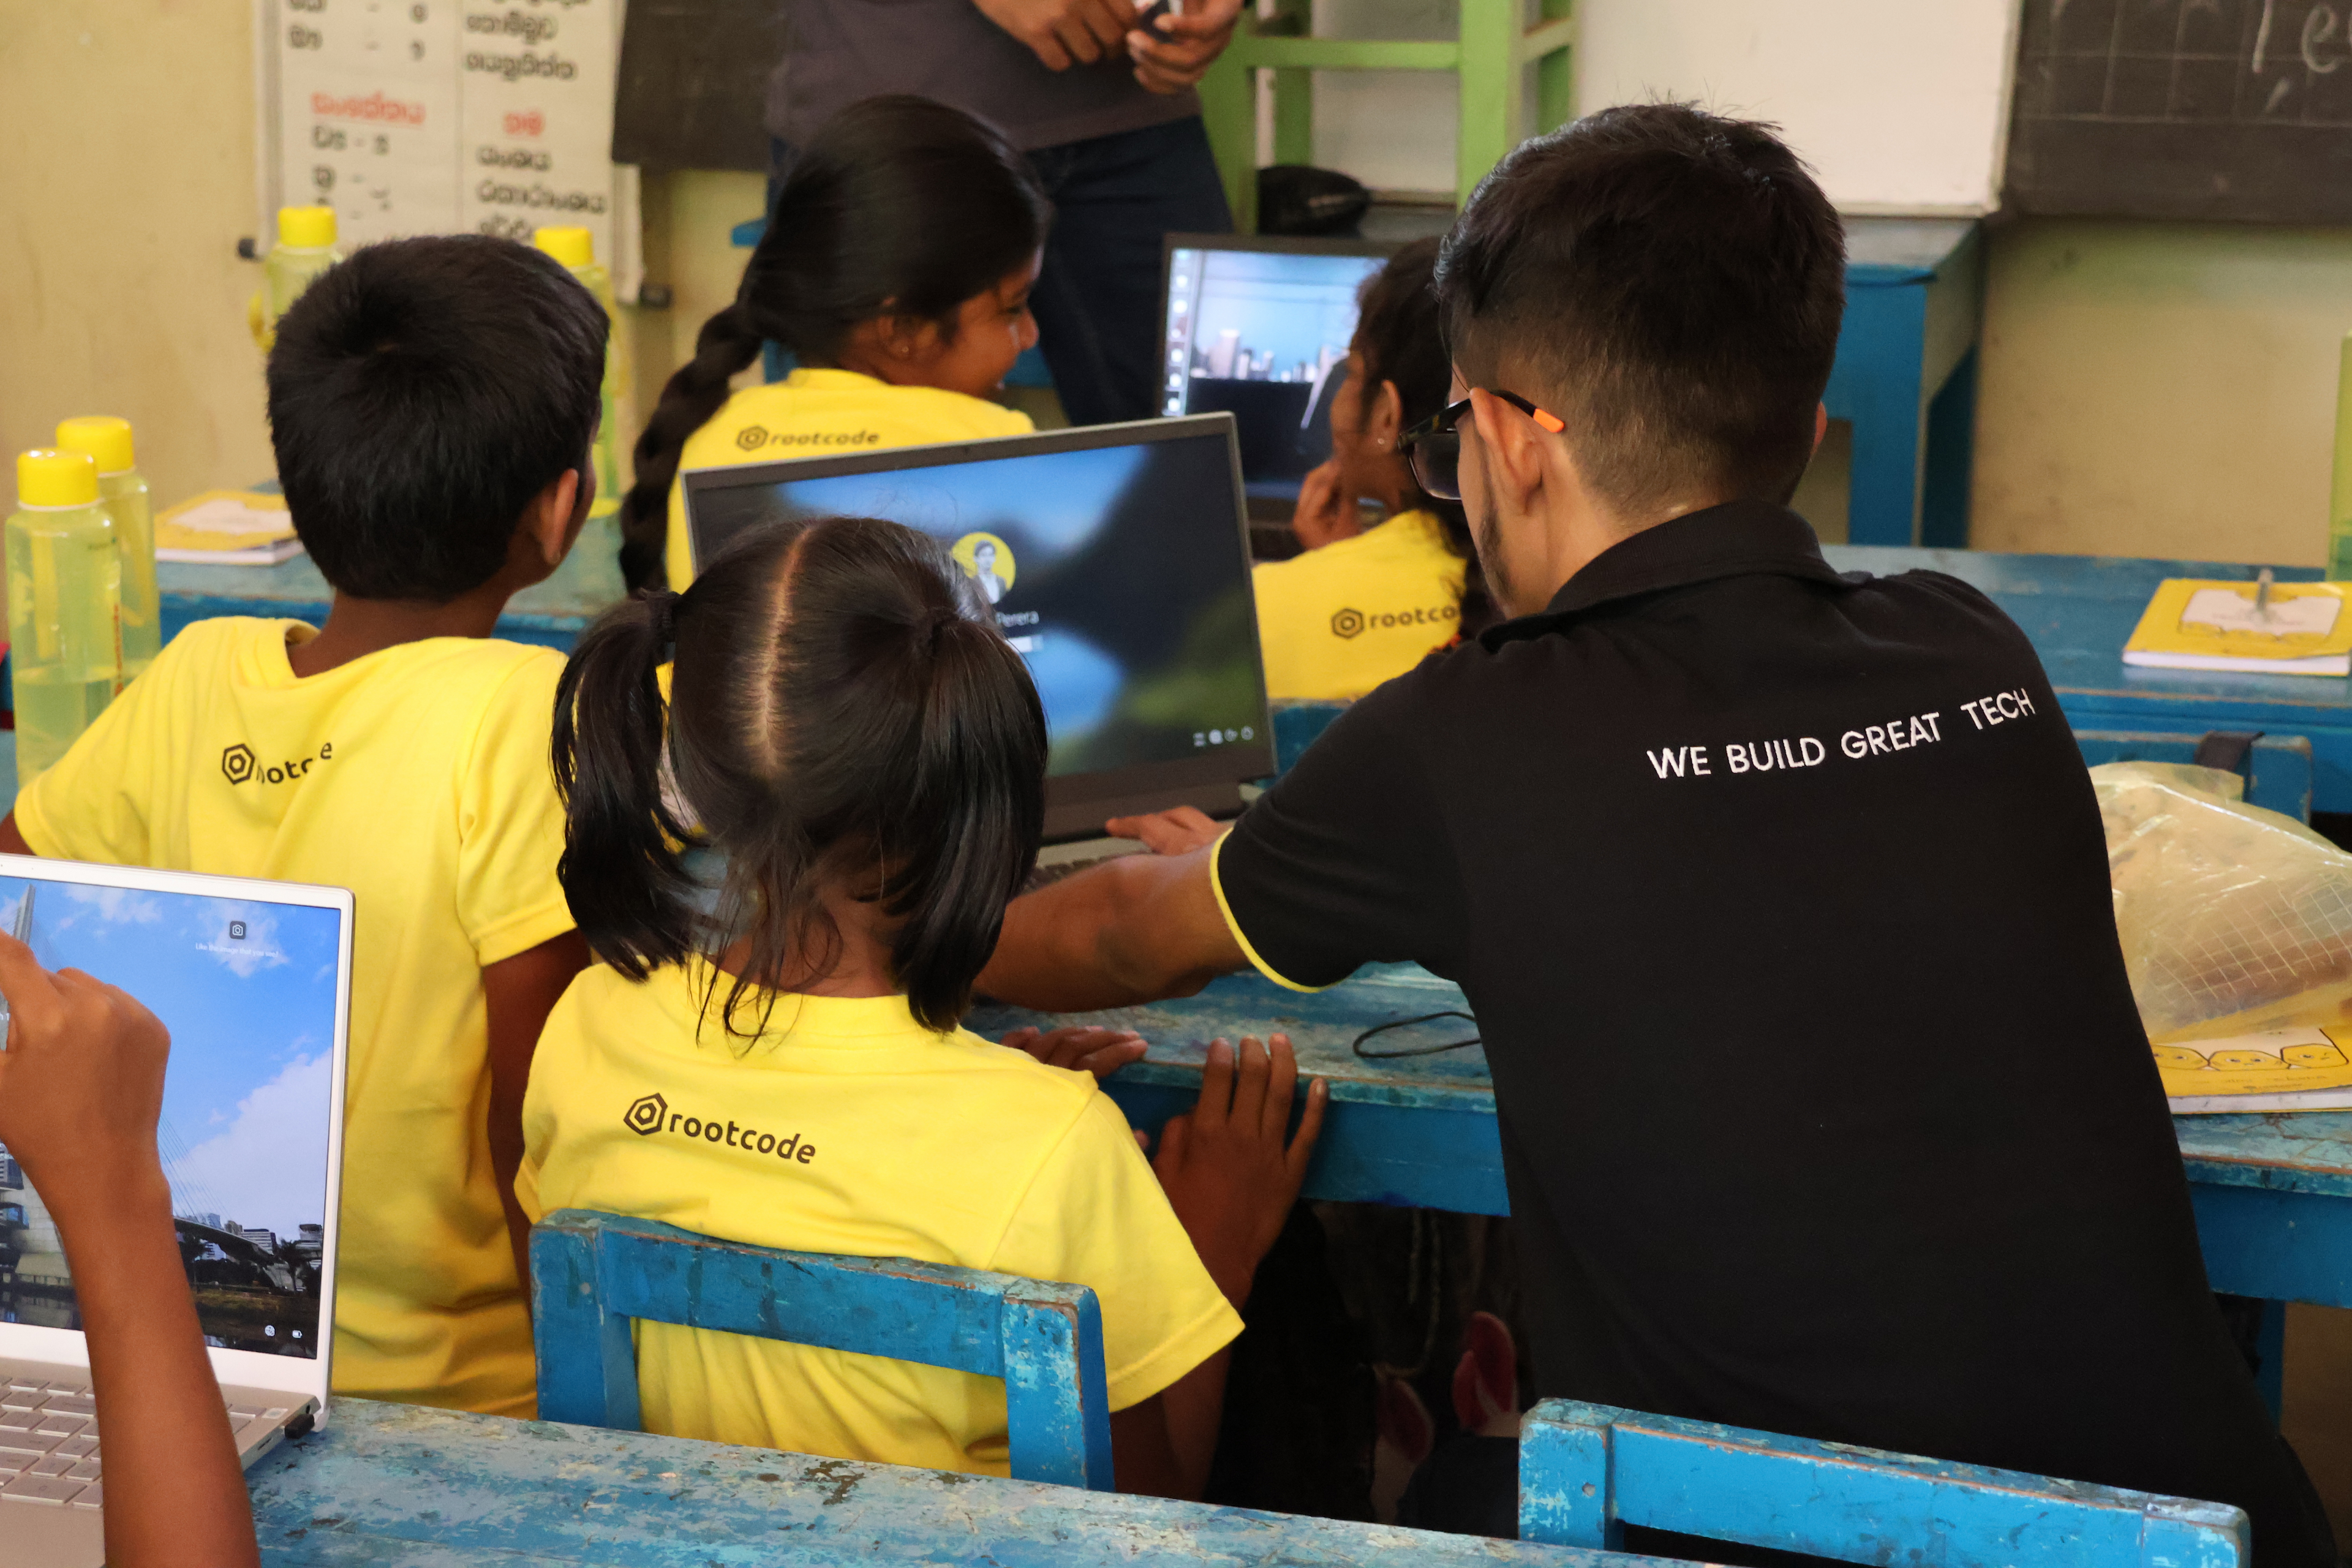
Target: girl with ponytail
[[1412, 579], [896, 267], [778, 1061]]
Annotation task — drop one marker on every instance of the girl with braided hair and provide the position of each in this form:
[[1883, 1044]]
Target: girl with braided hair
[[896, 267]]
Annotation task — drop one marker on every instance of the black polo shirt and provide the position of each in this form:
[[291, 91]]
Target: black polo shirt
[[1782, 900]]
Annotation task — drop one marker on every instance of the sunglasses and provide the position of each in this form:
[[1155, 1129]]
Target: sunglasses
[[1433, 447]]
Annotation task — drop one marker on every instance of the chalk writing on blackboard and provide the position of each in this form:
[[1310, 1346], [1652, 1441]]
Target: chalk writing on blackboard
[[2185, 108]]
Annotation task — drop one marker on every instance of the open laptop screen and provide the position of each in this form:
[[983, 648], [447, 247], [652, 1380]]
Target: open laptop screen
[[248, 992], [1260, 329], [1116, 560]]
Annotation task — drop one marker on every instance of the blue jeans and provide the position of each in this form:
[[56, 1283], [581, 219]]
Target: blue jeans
[[1098, 300]]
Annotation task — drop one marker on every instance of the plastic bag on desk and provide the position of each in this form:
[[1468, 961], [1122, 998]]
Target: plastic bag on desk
[[2234, 920]]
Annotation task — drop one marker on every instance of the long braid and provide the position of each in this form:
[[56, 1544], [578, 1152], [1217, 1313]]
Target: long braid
[[725, 346]]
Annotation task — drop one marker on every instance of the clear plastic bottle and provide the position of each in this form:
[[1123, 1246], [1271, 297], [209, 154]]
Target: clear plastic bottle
[[305, 247], [594, 571], [123, 493], [65, 584]]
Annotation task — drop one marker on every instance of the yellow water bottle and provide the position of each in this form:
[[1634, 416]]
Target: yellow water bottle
[[2340, 493], [305, 247], [124, 495], [65, 579], [597, 574]]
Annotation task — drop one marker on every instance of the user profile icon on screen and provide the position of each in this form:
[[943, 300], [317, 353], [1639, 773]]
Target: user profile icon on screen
[[987, 561]]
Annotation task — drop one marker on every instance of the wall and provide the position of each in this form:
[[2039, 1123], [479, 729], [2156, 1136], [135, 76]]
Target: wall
[[126, 180], [2159, 389]]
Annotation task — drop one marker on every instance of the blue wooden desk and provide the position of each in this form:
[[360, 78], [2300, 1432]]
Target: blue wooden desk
[[386, 1484], [554, 612], [2273, 1193], [2079, 610]]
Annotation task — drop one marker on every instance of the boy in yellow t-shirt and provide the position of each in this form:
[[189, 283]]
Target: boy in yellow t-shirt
[[432, 402], [1362, 605], [896, 267]]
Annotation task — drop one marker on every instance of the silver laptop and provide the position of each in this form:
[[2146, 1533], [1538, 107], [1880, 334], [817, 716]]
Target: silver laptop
[[1259, 325], [1117, 560], [253, 979]]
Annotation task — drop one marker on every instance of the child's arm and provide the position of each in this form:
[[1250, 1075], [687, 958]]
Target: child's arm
[[82, 1084], [1232, 1179], [518, 992], [12, 838]]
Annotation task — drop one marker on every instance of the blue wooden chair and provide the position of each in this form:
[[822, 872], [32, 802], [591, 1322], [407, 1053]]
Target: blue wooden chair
[[1587, 1470], [591, 1273]]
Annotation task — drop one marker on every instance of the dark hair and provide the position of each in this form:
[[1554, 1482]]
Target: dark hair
[[1667, 282], [1401, 340], [897, 204], [421, 394], [842, 710]]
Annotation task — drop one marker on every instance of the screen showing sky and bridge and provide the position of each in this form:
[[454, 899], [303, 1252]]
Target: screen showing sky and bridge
[[247, 990]]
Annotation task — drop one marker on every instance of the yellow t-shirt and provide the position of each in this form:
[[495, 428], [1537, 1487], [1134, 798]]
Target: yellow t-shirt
[[1338, 621], [418, 777], [850, 1128], [827, 414]]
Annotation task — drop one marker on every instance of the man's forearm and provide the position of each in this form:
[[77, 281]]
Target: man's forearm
[[1128, 932]]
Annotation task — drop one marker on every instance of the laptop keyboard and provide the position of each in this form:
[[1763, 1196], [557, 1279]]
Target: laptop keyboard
[[50, 1448]]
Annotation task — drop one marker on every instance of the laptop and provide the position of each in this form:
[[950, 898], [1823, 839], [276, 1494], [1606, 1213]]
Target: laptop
[[1258, 326], [1115, 558], [253, 979]]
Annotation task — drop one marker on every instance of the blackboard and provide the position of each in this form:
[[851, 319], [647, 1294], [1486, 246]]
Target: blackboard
[[693, 82], [2184, 109]]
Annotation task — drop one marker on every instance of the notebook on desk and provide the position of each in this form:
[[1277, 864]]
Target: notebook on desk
[[2259, 627], [252, 978], [1117, 560]]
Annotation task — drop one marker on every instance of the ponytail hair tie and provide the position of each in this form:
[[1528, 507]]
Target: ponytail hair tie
[[661, 605]]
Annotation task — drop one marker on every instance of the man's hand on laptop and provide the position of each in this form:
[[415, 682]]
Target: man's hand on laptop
[[1101, 1052], [1179, 830], [82, 1084]]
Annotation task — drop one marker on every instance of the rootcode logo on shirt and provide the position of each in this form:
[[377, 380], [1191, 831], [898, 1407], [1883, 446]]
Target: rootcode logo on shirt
[[239, 766], [650, 1113], [1355, 623]]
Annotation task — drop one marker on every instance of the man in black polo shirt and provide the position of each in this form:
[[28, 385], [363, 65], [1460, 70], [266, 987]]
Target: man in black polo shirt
[[1780, 896]]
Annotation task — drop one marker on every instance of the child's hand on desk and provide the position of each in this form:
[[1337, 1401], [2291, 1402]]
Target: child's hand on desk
[[1226, 1170], [1179, 830], [1101, 1052]]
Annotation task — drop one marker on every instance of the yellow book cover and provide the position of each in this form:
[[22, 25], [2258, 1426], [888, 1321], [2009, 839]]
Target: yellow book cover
[[236, 527], [2284, 1069], [2285, 628]]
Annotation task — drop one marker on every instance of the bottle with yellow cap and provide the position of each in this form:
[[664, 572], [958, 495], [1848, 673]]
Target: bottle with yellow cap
[[65, 579], [305, 247], [124, 495], [594, 567]]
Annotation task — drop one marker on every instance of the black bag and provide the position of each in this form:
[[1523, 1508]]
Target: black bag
[[1309, 202]]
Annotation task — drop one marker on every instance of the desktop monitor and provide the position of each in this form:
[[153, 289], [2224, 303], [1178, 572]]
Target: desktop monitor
[[1117, 560], [1258, 327]]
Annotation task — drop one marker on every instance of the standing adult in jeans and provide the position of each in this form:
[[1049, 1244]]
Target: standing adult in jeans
[[1106, 112]]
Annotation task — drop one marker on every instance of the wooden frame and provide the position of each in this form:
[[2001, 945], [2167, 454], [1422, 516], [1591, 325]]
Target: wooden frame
[[1586, 1471], [591, 1273]]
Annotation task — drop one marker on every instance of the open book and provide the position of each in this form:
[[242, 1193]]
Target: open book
[[2285, 1070], [227, 528], [2283, 628]]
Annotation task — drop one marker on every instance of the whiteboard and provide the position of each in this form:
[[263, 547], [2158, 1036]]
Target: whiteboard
[[1901, 106], [445, 116]]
